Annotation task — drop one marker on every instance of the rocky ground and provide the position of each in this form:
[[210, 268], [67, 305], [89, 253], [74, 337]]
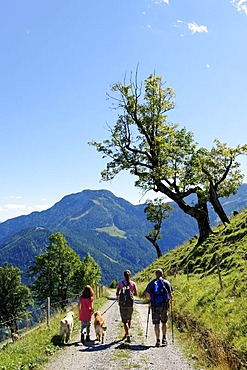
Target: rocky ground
[[141, 353]]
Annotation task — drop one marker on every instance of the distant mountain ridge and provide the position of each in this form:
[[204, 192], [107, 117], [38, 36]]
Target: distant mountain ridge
[[111, 229]]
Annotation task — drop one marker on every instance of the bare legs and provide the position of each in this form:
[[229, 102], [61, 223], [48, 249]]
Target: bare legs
[[157, 330], [127, 327], [157, 333], [127, 330]]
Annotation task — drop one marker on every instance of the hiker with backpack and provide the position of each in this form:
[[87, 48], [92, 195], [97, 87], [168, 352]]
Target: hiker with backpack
[[126, 290], [158, 293]]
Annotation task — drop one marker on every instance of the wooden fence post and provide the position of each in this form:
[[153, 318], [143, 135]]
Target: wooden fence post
[[48, 309]]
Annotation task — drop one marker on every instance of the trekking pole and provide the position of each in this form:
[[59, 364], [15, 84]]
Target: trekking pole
[[109, 307], [149, 308], [171, 312]]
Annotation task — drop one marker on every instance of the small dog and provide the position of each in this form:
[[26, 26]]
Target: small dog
[[15, 337], [66, 326], [99, 326]]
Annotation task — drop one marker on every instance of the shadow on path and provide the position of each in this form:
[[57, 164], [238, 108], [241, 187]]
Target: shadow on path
[[96, 346], [133, 347], [57, 341], [92, 346]]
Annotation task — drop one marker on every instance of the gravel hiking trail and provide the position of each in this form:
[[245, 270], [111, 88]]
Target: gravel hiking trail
[[141, 353]]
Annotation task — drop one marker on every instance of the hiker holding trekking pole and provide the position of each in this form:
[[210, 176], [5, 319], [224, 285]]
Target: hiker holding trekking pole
[[158, 293]]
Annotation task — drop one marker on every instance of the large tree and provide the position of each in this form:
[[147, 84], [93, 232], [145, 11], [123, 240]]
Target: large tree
[[60, 274], [159, 153], [156, 211], [15, 297]]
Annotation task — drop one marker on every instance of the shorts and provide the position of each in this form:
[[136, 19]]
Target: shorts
[[85, 325], [160, 314], [126, 313]]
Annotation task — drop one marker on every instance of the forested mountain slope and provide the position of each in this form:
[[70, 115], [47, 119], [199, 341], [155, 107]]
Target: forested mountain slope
[[111, 229]]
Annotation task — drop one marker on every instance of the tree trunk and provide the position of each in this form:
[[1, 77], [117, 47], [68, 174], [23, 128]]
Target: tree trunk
[[199, 212], [214, 200], [201, 216], [156, 246]]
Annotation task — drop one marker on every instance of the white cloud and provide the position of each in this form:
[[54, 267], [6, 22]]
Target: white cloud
[[207, 65], [241, 5], [11, 210], [161, 2], [42, 207], [193, 27], [178, 24], [13, 206]]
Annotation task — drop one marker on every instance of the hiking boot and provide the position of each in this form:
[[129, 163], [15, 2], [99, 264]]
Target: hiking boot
[[82, 338], [157, 343], [164, 341], [87, 338], [128, 339]]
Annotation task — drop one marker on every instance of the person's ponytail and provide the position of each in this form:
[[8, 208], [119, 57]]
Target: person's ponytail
[[127, 274]]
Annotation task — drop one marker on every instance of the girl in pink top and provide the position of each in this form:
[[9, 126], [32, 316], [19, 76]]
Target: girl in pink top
[[85, 310]]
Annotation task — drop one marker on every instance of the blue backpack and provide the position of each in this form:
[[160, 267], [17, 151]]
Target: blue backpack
[[160, 293]]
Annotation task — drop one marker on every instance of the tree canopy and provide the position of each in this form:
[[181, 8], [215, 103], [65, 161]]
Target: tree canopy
[[220, 173], [15, 297], [89, 273], [163, 157], [59, 273]]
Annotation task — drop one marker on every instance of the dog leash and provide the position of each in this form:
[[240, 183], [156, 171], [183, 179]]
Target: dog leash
[[109, 307]]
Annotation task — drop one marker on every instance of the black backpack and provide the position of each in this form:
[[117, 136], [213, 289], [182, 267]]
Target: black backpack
[[126, 297]]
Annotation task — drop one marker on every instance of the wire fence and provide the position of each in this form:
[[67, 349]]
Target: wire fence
[[36, 316]]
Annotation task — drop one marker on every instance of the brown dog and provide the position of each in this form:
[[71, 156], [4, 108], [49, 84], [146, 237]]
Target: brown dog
[[99, 327], [66, 326]]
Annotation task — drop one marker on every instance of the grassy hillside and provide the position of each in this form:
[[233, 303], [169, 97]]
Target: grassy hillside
[[210, 292]]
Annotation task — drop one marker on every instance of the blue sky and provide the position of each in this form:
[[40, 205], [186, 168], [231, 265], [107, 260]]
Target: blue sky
[[59, 59]]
